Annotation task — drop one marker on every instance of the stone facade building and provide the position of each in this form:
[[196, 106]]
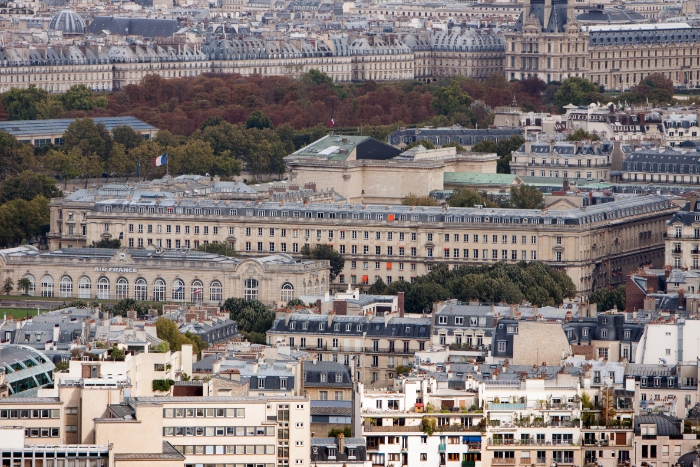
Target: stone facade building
[[567, 160], [595, 245], [161, 275]]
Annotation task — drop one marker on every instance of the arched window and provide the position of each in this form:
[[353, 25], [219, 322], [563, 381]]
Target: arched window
[[178, 290], [121, 291], [31, 289], [103, 288], [215, 292], [196, 291], [159, 290], [65, 287], [287, 292], [323, 286], [251, 289], [308, 288], [84, 286], [47, 286], [316, 287], [141, 289]]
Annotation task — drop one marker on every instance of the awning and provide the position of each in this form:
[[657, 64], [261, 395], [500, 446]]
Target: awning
[[471, 439], [388, 265], [365, 279], [391, 217]]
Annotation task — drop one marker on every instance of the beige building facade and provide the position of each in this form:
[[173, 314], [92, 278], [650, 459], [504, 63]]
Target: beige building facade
[[596, 246], [161, 275]]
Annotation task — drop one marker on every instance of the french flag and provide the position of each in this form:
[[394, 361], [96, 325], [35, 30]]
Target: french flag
[[160, 160]]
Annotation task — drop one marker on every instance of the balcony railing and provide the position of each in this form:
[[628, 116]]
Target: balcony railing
[[442, 448], [502, 461], [388, 350]]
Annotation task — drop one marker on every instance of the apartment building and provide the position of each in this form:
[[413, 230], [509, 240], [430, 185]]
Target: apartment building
[[374, 346], [682, 238], [589, 161], [595, 245], [258, 431], [417, 421]]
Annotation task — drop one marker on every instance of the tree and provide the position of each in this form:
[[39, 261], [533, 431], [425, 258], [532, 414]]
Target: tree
[[117, 354], [127, 137], [21, 104], [88, 137], [345, 431], [485, 145], [415, 200], [608, 299], [580, 135], [8, 286], [251, 316], [64, 165], [577, 91], [78, 97], [24, 284], [107, 243], [295, 302], [421, 142], [218, 248], [526, 197], [193, 157], [421, 296], [61, 367], [198, 343], [377, 288], [22, 220], [167, 330], [119, 162], [258, 120], [27, 186], [326, 252], [504, 151], [450, 99], [315, 77], [15, 157], [468, 198]]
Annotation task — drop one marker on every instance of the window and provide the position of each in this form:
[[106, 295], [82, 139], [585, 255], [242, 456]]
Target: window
[[65, 287], [215, 291], [287, 292], [178, 290], [197, 291], [122, 289], [159, 290], [103, 288], [140, 289], [47, 286], [251, 289], [501, 346]]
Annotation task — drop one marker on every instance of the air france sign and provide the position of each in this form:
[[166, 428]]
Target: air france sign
[[117, 270]]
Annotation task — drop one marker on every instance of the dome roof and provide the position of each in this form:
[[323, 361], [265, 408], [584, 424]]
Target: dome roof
[[68, 22]]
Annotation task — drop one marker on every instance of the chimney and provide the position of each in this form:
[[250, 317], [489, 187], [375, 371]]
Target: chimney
[[340, 307], [513, 311], [593, 310], [616, 156], [692, 201], [318, 306], [341, 443], [400, 303], [56, 332]]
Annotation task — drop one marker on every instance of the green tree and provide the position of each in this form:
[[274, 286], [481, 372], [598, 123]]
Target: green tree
[[226, 165], [608, 299], [78, 97], [119, 162], [526, 197], [61, 366], [415, 200], [326, 252], [27, 186], [421, 296], [15, 157], [167, 330], [107, 243], [127, 137], [22, 220], [580, 135], [52, 107], [505, 149], [89, 138], [315, 77], [577, 91], [377, 288], [21, 104], [24, 284], [345, 431], [218, 248], [198, 343], [64, 165], [485, 145], [468, 198], [421, 142], [193, 157], [251, 316], [450, 99], [145, 154], [8, 286], [117, 354], [295, 302], [258, 120]]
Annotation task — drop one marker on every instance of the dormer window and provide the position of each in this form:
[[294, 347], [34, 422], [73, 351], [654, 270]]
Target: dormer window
[[336, 327], [459, 320], [442, 319]]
